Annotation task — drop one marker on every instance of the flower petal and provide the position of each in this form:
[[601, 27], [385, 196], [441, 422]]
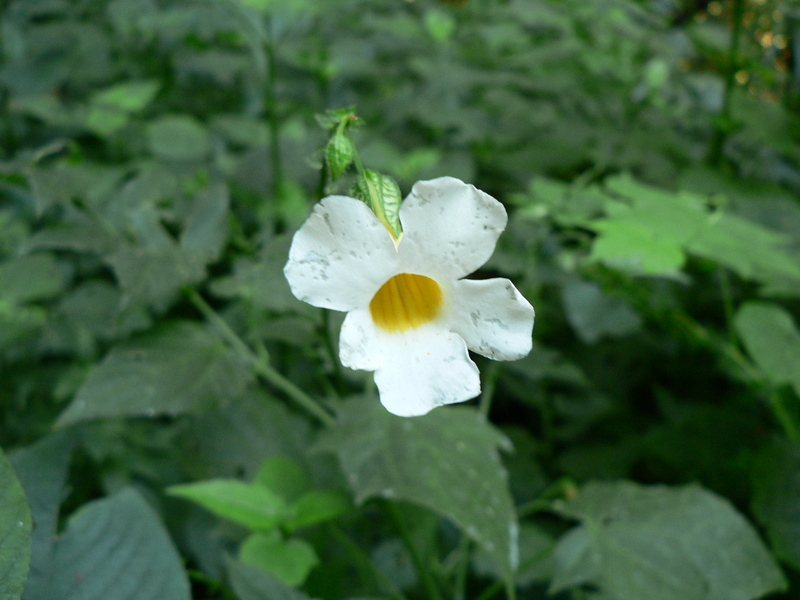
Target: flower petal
[[449, 228], [425, 368], [340, 256], [492, 316], [359, 341]]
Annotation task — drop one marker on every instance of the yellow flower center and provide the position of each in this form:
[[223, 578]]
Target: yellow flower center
[[405, 302]]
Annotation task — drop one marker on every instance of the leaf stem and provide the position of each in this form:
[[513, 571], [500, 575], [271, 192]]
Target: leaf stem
[[424, 574], [722, 126], [489, 386], [258, 363]]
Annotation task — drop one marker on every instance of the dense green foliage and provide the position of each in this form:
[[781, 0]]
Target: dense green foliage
[[178, 425]]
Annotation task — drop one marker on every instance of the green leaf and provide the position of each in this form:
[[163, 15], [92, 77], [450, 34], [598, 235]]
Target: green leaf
[[594, 314], [382, 195], [289, 560], [129, 96], [317, 506], [776, 488], [206, 229], [253, 583], [662, 543], [15, 533], [446, 461], [177, 369], [42, 471], [250, 504], [339, 153], [118, 543], [154, 276], [283, 476], [232, 440], [29, 278], [772, 339], [179, 138]]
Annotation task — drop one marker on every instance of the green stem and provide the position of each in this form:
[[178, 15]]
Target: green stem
[[365, 565], [727, 303], [492, 373], [462, 568], [722, 126], [781, 411], [424, 574], [259, 363], [271, 105]]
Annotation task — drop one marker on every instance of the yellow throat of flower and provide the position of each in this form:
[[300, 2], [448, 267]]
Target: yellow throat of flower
[[405, 302]]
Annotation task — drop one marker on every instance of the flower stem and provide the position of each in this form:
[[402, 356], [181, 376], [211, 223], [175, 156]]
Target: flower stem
[[424, 574], [259, 364]]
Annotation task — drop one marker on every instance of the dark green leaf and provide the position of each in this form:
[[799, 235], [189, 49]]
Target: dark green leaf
[[776, 483], [118, 543], [15, 533], [662, 543], [180, 368], [446, 461], [42, 470]]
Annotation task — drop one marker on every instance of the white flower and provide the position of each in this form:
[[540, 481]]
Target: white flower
[[410, 315]]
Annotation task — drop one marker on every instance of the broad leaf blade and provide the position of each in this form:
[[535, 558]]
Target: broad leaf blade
[[181, 368], [662, 543], [42, 470], [446, 461], [118, 543], [15, 533]]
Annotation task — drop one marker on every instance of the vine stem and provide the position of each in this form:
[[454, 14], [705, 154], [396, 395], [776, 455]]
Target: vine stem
[[258, 363], [424, 574]]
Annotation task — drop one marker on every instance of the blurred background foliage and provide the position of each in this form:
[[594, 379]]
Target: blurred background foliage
[[155, 157]]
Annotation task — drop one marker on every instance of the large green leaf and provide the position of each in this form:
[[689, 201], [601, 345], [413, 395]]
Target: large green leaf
[[117, 547], [776, 489], [15, 533], [446, 461], [662, 543], [772, 339], [180, 368], [42, 470]]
